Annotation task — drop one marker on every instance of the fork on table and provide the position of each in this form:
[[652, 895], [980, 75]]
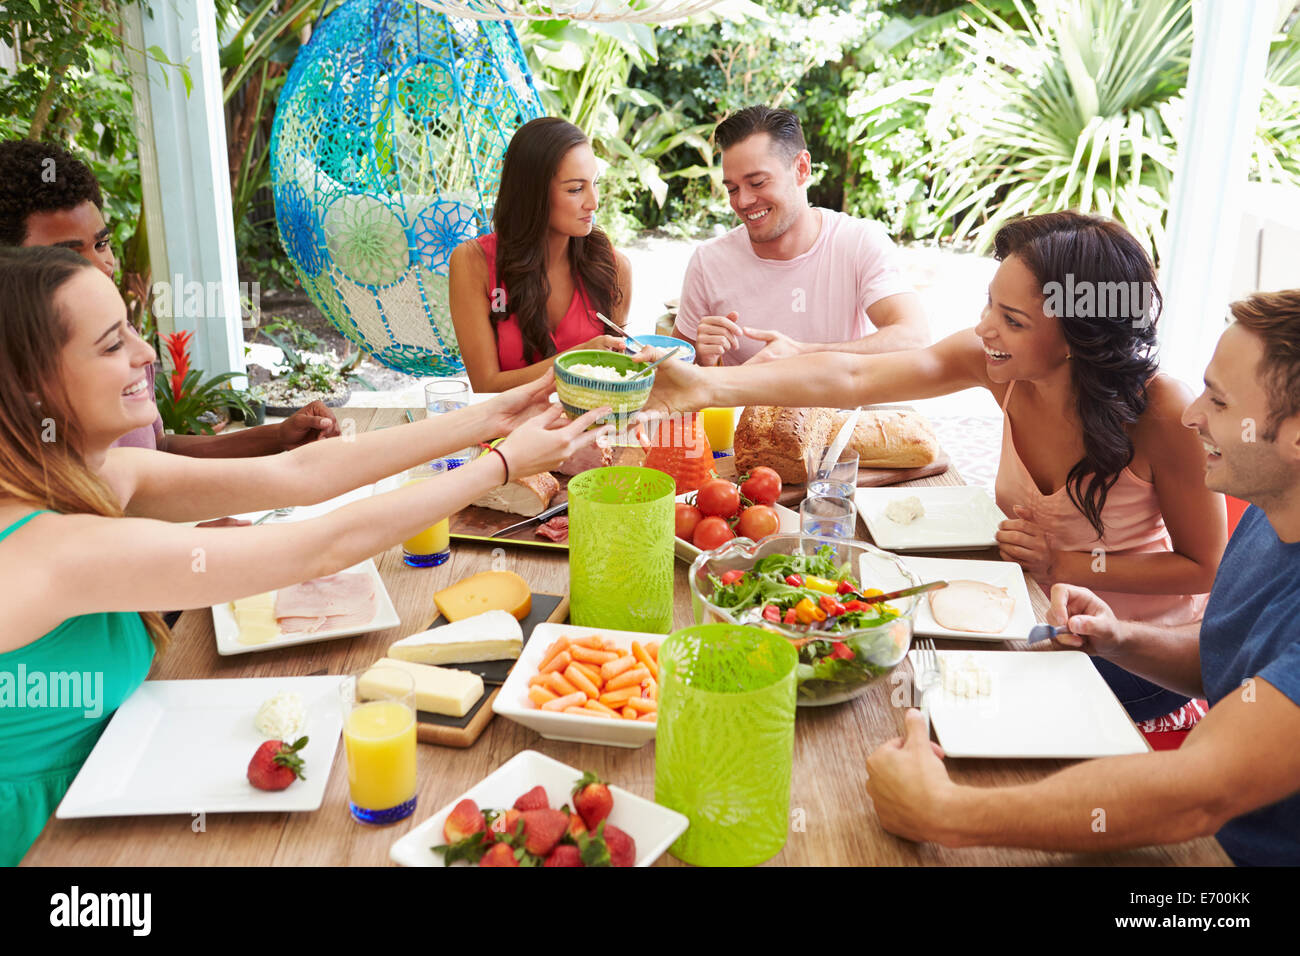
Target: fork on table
[[925, 676]]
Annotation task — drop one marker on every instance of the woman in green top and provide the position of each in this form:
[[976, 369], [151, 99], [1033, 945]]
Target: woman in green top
[[88, 541]]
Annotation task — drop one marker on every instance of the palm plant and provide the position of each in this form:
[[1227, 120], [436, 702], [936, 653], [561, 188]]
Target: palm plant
[[1080, 109]]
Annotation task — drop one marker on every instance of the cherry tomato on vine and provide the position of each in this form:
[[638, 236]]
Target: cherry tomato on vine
[[719, 498], [685, 520], [758, 521], [712, 532], [763, 486]]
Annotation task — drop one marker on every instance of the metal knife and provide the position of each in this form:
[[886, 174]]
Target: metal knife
[[906, 592], [548, 513]]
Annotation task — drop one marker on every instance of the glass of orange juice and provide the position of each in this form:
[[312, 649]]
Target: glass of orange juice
[[432, 546], [379, 739], [719, 426]]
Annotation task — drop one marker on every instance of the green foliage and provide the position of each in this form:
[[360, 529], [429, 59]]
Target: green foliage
[[293, 339], [1077, 111], [185, 414]]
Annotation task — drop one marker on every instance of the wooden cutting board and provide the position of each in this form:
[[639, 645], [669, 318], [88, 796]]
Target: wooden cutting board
[[791, 495], [479, 524], [464, 731]]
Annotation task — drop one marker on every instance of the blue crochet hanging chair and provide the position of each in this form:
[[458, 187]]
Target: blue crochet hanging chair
[[385, 154]]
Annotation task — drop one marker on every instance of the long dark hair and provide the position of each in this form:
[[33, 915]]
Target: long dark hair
[[521, 218], [45, 474], [1110, 331]]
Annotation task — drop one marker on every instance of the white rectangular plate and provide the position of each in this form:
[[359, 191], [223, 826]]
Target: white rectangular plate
[[1002, 574], [688, 552], [654, 828], [1042, 704], [513, 700], [183, 746], [957, 517], [227, 630]]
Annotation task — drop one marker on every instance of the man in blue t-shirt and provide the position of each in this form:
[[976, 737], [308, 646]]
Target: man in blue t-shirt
[[1237, 775]]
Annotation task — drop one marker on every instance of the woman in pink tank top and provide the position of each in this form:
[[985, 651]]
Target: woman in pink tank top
[[531, 290], [1102, 484]]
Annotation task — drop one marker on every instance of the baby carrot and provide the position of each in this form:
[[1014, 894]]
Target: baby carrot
[[537, 679], [540, 695], [557, 663], [614, 668], [600, 708], [569, 700], [557, 683], [619, 697], [583, 712], [650, 716], [642, 705], [591, 656], [629, 713], [593, 643], [644, 657], [632, 678], [581, 681], [592, 672]]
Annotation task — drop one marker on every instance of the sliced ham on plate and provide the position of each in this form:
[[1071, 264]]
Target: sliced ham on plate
[[325, 604], [557, 529], [972, 606]]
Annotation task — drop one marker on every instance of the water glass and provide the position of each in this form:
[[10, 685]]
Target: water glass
[[840, 479], [443, 395], [827, 516]]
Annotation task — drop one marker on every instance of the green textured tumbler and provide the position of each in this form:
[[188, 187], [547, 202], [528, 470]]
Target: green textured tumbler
[[621, 549], [725, 741]]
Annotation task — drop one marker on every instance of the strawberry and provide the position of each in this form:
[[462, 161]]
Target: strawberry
[[566, 854], [592, 799], [577, 826], [276, 764], [543, 829], [499, 855], [463, 821], [534, 799], [622, 848]]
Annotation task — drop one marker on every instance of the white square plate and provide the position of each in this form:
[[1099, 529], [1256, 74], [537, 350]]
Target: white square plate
[[513, 700], [227, 630], [1002, 574], [183, 746], [957, 517], [1042, 704], [688, 552], [654, 828]]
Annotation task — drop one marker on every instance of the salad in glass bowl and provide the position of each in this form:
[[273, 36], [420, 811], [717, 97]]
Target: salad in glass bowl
[[811, 590]]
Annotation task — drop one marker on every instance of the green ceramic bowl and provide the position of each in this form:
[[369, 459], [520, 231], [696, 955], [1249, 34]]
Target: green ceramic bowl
[[579, 394]]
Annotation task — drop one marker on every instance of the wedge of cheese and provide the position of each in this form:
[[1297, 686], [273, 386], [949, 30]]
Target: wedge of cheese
[[255, 617], [490, 636], [438, 690], [485, 591]]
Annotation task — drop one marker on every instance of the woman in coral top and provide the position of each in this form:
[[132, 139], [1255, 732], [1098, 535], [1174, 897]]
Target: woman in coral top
[[1102, 484], [531, 290]]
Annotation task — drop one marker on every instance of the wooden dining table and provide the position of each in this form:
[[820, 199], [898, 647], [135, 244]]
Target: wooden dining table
[[832, 822]]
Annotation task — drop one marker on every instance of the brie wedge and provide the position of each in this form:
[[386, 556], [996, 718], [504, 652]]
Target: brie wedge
[[490, 636]]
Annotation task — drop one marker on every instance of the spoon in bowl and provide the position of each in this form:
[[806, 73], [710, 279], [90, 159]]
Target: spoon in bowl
[[614, 326]]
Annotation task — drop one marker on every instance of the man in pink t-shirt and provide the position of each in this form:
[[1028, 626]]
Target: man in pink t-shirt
[[791, 278]]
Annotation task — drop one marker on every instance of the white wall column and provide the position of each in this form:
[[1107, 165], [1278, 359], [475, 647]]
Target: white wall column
[[184, 168], [1224, 86]]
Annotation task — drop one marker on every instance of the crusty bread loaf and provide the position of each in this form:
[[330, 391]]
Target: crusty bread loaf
[[891, 439], [780, 438], [527, 496]]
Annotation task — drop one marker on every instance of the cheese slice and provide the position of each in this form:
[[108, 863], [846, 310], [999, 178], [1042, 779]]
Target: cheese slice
[[490, 636], [972, 606], [255, 617], [438, 690], [485, 591]]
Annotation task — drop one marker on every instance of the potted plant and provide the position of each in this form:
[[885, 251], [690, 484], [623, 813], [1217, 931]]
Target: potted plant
[[309, 378], [190, 404]]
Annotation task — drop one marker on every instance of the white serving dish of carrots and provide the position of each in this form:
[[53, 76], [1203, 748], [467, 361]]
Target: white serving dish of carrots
[[588, 685]]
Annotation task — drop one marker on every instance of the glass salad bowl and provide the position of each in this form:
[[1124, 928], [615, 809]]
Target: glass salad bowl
[[850, 647]]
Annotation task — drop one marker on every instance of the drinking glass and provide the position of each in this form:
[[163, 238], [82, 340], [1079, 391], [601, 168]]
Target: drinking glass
[[379, 740], [720, 427], [443, 395], [827, 516], [840, 479], [725, 741], [432, 546]]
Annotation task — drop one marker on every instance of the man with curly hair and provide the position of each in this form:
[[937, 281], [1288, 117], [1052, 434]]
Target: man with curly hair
[[48, 197]]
